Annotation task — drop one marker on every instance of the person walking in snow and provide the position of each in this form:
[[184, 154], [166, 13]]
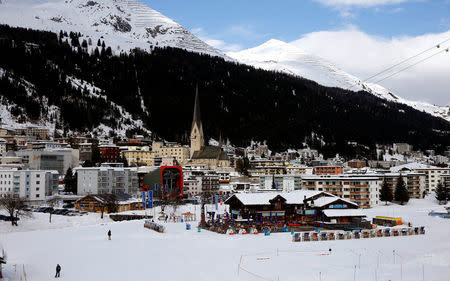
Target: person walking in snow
[[109, 234], [166, 218], [58, 270]]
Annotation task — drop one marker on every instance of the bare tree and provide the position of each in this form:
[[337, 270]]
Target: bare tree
[[52, 203], [16, 207]]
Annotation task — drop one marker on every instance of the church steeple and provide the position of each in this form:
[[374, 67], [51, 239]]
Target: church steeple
[[197, 141]]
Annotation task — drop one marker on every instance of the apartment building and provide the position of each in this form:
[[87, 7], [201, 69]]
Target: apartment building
[[328, 170], [415, 182], [32, 185], [285, 183], [50, 159], [108, 178], [432, 173], [363, 190], [138, 157], [180, 152]]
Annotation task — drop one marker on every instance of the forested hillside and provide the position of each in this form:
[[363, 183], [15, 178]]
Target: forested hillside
[[237, 101]]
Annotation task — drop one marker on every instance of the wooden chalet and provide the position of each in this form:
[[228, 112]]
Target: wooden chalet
[[291, 208], [97, 202]]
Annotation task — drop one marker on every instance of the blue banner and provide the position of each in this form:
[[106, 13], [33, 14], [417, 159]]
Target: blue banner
[[143, 199], [156, 188], [167, 190], [150, 199], [276, 186], [216, 199]]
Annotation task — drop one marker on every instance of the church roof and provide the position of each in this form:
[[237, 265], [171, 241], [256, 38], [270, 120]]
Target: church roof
[[197, 117], [210, 152]]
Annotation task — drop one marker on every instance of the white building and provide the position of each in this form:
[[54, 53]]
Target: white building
[[432, 173], [107, 179], [50, 159], [285, 183], [3, 143], [401, 148], [363, 190], [32, 185]]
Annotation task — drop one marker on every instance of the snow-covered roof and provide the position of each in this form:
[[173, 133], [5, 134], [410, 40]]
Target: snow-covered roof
[[412, 166], [333, 213], [294, 197], [322, 201]]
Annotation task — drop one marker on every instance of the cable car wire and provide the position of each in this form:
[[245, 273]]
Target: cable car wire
[[403, 69], [438, 45]]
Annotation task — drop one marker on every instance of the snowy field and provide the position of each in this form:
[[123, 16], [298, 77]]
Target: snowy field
[[81, 247]]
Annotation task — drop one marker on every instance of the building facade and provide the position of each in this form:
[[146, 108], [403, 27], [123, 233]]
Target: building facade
[[106, 180], [32, 185], [50, 159], [363, 190], [109, 153]]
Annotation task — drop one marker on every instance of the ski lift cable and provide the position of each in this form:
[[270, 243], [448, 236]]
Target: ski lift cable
[[438, 45], [409, 66]]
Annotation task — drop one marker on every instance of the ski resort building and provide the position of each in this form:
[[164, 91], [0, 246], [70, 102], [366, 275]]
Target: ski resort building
[[32, 185], [302, 206]]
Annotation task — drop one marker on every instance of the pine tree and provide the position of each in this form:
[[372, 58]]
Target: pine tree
[[401, 193], [441, 193], [70, 182], [386, 192]]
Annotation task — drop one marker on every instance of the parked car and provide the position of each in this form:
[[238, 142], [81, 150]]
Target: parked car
[[69, 205]]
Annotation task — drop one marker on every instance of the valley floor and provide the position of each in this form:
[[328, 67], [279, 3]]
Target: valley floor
[[81, 247]]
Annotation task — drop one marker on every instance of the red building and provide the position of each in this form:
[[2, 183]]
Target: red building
[[356, 163], [328, 170], [109, 153]]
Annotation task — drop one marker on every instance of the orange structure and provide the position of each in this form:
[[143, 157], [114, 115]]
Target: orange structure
[[328, 170]]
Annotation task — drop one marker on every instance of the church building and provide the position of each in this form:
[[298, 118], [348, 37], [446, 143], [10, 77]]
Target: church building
[[201, 154]]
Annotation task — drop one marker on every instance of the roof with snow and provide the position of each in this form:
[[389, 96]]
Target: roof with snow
[[294, 197], [412, 166], [323, 201], [335, 213]]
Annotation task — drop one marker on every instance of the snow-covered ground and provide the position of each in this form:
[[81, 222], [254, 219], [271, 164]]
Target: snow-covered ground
[[81, 247]]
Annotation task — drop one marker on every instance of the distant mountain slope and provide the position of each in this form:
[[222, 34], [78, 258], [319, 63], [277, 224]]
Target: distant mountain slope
[[46, 78], [280, 56], [123, 24]]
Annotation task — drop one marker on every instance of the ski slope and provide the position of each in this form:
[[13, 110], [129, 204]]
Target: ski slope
[[122, 24], [136, 253], [279, 56]]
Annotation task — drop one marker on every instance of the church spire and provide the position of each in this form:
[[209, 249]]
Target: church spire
[[197, 141], [197, 117]]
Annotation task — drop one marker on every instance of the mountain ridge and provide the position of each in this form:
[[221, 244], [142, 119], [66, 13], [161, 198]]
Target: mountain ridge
[[124, 25], [285, 57]]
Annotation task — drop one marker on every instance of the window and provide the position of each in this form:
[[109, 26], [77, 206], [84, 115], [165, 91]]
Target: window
[[38, 182], [37, 188], [37, 195], [38, 175]]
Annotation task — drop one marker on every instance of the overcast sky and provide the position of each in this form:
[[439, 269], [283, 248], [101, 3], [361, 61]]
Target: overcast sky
[[360, 36]]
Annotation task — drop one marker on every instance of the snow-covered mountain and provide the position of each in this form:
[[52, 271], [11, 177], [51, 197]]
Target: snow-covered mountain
[[122, 24], [284, 57]]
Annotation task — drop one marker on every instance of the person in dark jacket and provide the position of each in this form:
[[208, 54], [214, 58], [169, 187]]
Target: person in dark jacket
[[58, 270], [109, 234]]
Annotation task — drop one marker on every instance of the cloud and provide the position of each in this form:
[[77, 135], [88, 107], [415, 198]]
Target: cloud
[[216, 43], [359, 3], [363, 55]]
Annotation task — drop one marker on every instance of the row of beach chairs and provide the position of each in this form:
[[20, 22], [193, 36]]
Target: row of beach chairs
[[356, 234]]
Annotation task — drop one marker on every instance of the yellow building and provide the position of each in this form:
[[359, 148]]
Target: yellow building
[[138, 157], [181, 153]]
